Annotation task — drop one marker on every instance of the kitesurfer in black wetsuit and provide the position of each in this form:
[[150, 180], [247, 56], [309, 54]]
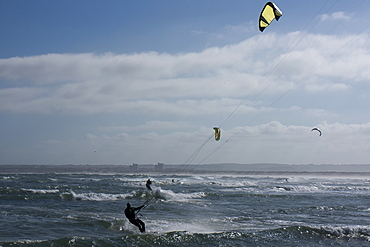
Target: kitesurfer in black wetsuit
[[148, 183], [131, 216]]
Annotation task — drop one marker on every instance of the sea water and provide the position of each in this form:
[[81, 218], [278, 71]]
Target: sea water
[[186, 210]]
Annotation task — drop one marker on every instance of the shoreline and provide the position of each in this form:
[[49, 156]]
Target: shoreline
[[124, 169]]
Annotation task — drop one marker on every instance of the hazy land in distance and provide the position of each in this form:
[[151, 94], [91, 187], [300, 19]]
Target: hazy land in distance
[[241, 169]]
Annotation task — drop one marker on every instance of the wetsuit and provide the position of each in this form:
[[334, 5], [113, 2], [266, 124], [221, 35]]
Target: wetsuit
[[148, 183], [130, 214]]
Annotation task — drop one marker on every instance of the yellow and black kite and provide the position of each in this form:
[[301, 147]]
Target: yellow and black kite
[[269, 12]]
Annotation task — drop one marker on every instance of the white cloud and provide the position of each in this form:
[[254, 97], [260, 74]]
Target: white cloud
[[151, 125], [326, 87], [260, 69], [335, 16], [19, 99]]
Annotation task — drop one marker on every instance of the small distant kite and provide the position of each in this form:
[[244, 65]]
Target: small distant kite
[[217, 133], [317, 129], [269, 12]]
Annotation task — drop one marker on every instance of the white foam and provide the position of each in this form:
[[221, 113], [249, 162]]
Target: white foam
[[169, 195], [40, 191], [91, 196], [348, 231], [193, 227]]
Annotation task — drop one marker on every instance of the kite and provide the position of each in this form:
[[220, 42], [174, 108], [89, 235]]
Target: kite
[[269, 12], [217, 133], [317, 130]]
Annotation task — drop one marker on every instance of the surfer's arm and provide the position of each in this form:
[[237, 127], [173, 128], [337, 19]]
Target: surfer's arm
[[139, 207]]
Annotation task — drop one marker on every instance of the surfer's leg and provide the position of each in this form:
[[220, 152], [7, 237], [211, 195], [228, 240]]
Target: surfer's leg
[[148, 187], [136, 223], [142, 225]]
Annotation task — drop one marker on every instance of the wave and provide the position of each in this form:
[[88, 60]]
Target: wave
[[303, 235], [169, 195], [158, 193], [16, 191], [41, 191], [347, 232], [166, 195], [297, 188], [285, 236], [93, 196], [6, 177], [67, 241], [174, 238], [11, 193], [312, 188]]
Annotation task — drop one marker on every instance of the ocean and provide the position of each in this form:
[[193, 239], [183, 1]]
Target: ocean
[[184, 210]]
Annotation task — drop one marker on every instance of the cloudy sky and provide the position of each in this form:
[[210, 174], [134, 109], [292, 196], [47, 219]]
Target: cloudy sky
[[117, 82]]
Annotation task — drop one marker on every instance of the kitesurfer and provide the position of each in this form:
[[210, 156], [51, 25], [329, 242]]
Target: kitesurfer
[[131, 216], [148, 183]]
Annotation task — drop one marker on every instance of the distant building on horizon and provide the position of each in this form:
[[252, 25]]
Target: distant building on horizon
[[159, 167], [134, 167]]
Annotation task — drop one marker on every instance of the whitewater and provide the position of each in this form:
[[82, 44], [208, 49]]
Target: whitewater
[[186, 210]]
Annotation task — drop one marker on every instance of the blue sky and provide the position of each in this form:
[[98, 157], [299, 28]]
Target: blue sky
[[117, 82]]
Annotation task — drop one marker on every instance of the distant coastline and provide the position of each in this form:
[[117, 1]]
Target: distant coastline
[[237, 169]]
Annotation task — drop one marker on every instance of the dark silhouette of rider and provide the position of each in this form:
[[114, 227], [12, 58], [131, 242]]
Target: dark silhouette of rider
[[148, 183], [131, 216]]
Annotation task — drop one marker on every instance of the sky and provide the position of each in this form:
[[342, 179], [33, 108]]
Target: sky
[[122, 82]]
